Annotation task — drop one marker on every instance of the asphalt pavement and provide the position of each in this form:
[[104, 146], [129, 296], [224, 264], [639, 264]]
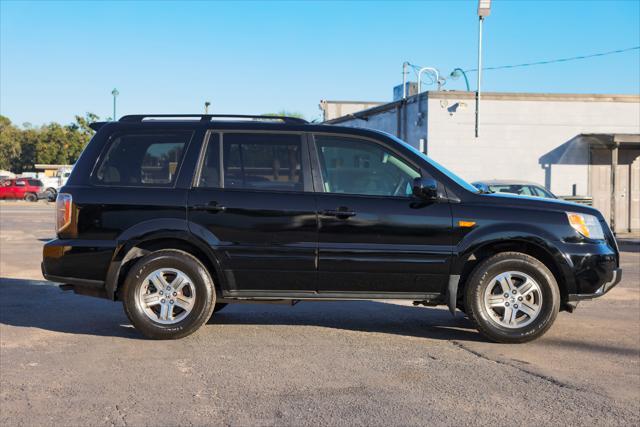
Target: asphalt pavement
[[67, 359]]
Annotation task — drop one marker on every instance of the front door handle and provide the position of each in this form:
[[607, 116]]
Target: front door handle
[[341, 213], [210, 207]]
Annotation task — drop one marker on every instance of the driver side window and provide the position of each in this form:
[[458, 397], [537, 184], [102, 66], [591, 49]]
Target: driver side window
[[355, 166]]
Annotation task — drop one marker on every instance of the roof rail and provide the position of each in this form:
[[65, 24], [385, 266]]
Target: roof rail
[[210, 117]]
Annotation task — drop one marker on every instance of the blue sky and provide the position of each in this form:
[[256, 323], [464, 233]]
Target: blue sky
[[58, 59]]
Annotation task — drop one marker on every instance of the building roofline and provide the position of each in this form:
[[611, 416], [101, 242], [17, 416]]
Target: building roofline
[[496, 96], [330, 101], [530, 96]]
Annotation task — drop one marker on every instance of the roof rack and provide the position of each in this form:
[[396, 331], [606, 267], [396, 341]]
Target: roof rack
[[210, 117]]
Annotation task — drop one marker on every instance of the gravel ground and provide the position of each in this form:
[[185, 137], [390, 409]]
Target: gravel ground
[[66, 359]]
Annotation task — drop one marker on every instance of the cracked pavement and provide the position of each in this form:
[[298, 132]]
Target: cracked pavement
[[67, 359]]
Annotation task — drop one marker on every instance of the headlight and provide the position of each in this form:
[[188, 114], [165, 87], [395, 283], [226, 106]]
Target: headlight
[[587, 225]]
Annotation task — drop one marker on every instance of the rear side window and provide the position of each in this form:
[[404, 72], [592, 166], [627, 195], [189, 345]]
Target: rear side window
[[263, 161], [147, 159], [210, 171]]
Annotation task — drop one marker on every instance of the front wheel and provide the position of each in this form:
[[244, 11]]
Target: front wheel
[[512, 297], [30, 197], [168, 294]]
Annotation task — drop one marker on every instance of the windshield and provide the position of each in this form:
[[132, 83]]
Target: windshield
[[461, 182]]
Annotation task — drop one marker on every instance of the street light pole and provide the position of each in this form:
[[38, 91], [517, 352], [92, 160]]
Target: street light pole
[[115, 93], [457, 72], [206, 107], [479, 74], [484, 9]]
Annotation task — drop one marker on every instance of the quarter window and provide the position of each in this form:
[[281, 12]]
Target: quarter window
[[353, 166], [210, 172], [143, 159], [263, 162]]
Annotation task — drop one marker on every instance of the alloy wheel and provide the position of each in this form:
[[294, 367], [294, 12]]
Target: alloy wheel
[[513, 299], [167, 296]]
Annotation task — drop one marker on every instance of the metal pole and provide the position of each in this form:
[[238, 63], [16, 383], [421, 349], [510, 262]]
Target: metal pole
[[479, 74], [466, 80], [114, 108], [422, 70], [404, 80], [614, 166]]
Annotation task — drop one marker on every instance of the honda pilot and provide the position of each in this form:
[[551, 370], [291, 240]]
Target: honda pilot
[[178, 216]]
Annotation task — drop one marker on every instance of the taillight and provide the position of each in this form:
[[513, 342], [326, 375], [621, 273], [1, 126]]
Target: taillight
[[64, 203]]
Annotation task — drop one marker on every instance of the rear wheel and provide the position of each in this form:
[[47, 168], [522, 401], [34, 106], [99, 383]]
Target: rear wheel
[[51, 194], [512, 298], [30, 197], [168, 294]]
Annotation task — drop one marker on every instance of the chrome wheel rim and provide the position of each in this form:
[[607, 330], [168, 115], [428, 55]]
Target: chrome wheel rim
[[167, 296], [513, 299]]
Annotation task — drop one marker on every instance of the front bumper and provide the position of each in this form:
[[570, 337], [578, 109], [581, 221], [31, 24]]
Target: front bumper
[[606, 287]]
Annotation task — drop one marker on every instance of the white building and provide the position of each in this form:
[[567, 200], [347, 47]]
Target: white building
[[567, 142]]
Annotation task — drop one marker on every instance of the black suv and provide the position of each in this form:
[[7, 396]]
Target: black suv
[[177, 216]]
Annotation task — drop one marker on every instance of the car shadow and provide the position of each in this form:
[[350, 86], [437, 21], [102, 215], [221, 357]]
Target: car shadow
[[361, 316], [39, 304]]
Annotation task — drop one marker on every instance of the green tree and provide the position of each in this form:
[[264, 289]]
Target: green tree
[[9, 143], [21, 149], [286, 113]]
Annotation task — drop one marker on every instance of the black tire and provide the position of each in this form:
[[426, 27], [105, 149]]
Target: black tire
[[219, 306], [173, 259], [51, 194], [482, 277], [30, 197]]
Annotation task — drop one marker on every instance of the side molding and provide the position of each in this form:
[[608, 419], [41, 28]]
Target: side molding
[[452, 292]]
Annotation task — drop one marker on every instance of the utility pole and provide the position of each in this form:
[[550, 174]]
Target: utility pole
[[484, 9], [206, 107], [115, 93]]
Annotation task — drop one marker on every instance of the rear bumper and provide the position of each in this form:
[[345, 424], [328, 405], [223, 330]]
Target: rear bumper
[[81, 263]]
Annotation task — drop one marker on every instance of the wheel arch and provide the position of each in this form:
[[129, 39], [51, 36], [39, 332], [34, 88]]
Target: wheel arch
[[127, 254], [550, 256]]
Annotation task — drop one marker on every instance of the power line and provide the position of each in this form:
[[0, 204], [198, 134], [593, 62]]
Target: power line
[[553, 61]]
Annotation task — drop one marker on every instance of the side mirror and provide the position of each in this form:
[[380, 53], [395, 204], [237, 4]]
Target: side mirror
[[425, 188]]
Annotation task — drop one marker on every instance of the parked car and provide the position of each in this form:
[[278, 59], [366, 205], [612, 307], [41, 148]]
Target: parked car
[[53, 183], [521, 188], [179, 216], [21, 188]]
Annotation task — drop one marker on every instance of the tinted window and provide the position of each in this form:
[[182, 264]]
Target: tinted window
[[210, 172], [21, 183], [354, 166], [35, 182], [263, 162], [143, 159], [461, 182]]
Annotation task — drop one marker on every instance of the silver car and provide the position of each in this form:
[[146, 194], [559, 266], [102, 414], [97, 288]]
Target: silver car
[[521, 188]]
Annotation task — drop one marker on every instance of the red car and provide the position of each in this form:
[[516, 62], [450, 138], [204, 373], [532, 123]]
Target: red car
[[21, 188]]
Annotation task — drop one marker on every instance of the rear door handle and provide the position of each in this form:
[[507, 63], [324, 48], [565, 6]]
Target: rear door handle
[[210, 207], [342, 213]]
